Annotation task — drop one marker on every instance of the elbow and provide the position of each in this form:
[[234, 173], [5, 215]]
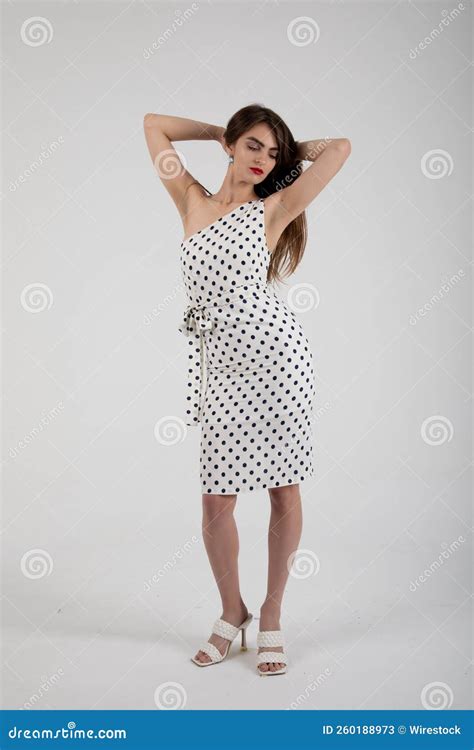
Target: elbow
[[150, 119], [344, 146]]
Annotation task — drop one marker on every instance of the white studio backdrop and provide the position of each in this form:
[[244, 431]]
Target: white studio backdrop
[[106, 586]]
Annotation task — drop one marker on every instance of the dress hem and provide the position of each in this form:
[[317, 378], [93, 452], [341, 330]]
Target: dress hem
[[268, 486]]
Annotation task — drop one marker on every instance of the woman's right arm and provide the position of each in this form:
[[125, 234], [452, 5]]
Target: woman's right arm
[[160, 131]]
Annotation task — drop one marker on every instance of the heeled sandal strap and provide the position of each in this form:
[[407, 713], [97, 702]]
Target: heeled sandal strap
[[270, 638], [211, 651], [225, 629], [272, 657]]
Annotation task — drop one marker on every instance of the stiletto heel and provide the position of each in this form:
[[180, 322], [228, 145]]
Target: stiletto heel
[[229, 632]]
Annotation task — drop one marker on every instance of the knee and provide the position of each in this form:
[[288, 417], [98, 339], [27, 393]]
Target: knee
[[217, 507], [284, 499]]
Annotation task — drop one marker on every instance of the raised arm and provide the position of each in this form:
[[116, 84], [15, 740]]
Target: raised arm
[[286, 204], [160, 131], [312, 150]]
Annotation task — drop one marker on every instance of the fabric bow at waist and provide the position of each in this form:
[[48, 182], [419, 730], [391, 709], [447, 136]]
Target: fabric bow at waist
[[195, 321]]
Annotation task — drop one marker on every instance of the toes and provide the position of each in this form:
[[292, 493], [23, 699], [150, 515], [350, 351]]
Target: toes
[[202, 657], [270, 666]]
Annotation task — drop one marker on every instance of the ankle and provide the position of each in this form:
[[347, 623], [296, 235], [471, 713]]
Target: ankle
[[269, 616], [237, 612], [271, 608]]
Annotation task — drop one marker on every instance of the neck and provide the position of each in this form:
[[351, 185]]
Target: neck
[[234, 191]]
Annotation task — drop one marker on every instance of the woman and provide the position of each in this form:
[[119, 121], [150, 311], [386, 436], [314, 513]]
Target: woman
[[255, 410]]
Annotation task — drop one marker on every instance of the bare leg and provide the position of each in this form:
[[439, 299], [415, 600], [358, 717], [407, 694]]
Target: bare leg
[[221, 540], [284, 534]]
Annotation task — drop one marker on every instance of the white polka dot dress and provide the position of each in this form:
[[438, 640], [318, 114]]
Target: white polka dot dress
[[250, 379]]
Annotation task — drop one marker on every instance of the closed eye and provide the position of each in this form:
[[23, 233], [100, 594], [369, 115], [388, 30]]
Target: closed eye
[[252, 148]]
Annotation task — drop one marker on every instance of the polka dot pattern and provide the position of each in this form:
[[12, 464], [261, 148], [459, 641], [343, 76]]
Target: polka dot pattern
[[251, 379]]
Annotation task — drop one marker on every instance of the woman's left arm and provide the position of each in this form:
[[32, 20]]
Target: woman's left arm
[[311, 150], [286, 204]]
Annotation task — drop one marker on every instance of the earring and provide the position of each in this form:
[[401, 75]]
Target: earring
[[231, 159]]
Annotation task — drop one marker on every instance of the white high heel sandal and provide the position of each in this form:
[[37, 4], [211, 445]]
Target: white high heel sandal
[[269, 638], [225, 630]]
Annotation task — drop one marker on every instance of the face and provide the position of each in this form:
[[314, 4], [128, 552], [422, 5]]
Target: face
[[255, 153]]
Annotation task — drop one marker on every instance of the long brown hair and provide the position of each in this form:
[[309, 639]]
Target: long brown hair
[[291, 244]]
